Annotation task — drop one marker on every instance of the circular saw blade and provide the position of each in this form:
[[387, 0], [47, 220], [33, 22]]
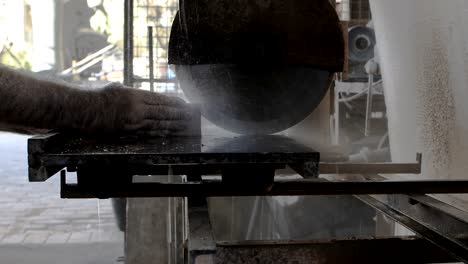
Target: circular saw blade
[[254, 66], [253, 101]]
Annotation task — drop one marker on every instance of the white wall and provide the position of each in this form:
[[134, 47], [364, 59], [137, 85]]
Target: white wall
[[43, 19], [423, 53], [11, 21]]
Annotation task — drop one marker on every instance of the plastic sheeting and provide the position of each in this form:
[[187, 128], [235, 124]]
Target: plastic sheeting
[[283, 218]]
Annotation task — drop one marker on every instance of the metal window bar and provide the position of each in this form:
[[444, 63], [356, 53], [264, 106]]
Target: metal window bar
[[146, 63], [360, 11]]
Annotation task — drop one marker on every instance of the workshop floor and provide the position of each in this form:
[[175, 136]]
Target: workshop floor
[[36, 226]]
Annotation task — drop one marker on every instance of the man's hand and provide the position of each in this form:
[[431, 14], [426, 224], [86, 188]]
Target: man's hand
[[29, 104], [118, 109]]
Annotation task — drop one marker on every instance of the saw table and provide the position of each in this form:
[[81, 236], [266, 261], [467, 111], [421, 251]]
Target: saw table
[[246, 166]]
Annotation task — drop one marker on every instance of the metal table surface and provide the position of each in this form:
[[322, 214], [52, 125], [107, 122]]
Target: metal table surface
[[74, 145], [49, 154], [106, 167]]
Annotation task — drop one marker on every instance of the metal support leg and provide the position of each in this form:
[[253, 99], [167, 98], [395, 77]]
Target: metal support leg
[[369, 105], [155, 232]]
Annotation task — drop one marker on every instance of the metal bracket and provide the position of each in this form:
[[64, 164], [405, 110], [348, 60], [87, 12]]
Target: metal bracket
[[372, 168]]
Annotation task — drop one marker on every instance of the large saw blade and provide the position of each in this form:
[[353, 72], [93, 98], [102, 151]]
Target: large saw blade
[[248, 101], [255, 66]]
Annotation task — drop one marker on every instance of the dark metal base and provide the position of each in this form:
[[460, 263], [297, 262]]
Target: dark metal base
[[163, 156], [363, 251]]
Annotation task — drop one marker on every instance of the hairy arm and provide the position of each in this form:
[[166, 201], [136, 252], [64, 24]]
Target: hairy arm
[[30, 104]]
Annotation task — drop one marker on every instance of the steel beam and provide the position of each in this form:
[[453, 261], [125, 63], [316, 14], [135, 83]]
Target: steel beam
[[444, 228], [371, 168], [109, 189]]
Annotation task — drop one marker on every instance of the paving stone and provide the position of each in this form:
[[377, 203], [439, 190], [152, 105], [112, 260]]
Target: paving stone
[[39, 238], [34, 226], [7, 222], [50, 221], [80, 237], [99, 236], [36, 207], [58, 238], [13, 239], [86, 221], [107, 236]]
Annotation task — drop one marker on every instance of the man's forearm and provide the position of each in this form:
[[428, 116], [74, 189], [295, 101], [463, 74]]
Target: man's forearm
[[30, 103]]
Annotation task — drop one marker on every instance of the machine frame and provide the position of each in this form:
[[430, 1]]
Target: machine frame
[[100, 175], [440, 228]]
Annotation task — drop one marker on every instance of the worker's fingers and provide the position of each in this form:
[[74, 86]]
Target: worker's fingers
[[114, 90], [160, 99], [174, 125], [154, 133], [166, 113], [150, 125]]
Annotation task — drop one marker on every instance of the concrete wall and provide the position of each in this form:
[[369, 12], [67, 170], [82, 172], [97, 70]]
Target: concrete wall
[[423, 54]]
